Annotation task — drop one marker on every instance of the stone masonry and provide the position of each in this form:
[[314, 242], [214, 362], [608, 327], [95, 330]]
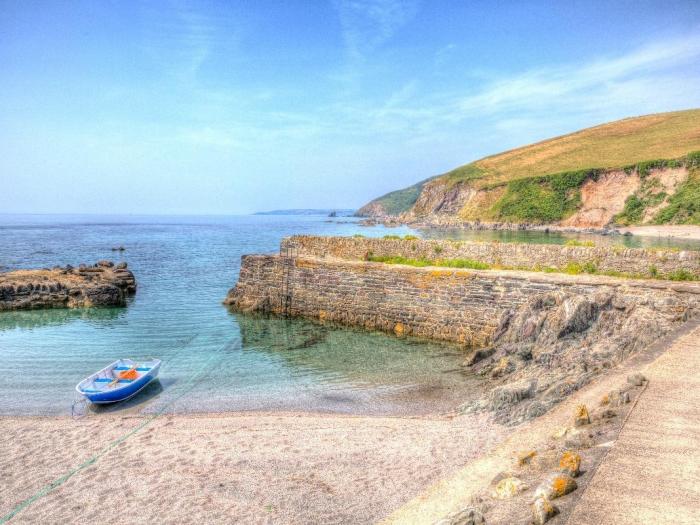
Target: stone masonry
[[464, 306], [511, 255]]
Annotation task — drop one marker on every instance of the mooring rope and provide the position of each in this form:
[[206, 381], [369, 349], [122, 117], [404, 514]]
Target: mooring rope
[[186, 388]]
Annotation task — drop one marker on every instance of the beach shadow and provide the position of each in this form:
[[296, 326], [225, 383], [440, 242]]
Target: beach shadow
[[135, 404]]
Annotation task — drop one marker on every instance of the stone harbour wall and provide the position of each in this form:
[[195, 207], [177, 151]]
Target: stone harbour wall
[[642, 262], [464, 306]]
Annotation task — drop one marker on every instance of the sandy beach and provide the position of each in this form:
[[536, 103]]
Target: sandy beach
[[689, 231], [234, 468]]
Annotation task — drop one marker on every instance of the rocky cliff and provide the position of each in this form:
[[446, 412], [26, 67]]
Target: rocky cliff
[[644, 170], [556, 342], [104, 284]]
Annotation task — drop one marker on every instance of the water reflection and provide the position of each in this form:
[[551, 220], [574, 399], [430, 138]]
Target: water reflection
[[354, 357], [30, 319], [543, 237]]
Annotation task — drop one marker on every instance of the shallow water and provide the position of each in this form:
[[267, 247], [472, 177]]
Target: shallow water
[[213, 359], [541, 237]]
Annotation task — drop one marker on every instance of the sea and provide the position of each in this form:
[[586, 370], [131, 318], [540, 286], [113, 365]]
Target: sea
[[214, 360]]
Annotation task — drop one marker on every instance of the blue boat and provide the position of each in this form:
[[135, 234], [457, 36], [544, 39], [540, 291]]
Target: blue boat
[[119, 381]]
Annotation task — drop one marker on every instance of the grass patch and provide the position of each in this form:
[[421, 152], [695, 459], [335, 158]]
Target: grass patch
[[399, 201], [420, 263], [392, 237], [616, 145], [681, 275], [576, 242], [684, 205], [613, 145], [571, 268], [548, 198], [464, 173]]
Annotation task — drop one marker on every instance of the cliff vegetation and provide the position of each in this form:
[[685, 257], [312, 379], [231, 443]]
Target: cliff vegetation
[[641, 170]]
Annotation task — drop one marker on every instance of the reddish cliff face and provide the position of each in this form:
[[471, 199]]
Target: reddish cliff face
[[624, 172], [600, 200]]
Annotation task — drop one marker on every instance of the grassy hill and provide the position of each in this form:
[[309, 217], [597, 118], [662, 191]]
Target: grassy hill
[[539, 182]]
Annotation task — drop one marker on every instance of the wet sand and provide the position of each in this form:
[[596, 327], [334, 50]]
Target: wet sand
[[233, 468]]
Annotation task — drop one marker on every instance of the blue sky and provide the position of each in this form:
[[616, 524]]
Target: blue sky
[[232, 107]]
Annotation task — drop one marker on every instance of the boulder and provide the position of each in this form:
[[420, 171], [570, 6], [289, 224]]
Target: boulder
[[581, 417], [556, 486], [511, 394], [104, 264], [525, 458], [121, 266], [578, 439], [543, 511], [574, 315], [570, 463], [636, 379], [509, 487], [479, 355]]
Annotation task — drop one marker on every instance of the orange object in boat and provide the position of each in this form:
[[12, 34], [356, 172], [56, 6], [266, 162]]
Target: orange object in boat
[[129, 374]]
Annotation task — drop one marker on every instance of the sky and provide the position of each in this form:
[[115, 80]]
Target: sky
[[204, 107]]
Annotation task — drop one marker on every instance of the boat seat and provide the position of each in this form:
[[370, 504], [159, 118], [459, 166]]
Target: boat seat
[[107, 380], [139, 369]]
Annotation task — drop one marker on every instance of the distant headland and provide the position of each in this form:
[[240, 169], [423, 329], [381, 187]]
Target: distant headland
[[335, 212]]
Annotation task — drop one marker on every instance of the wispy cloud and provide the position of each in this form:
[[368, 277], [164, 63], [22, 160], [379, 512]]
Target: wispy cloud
[[523, 106], [367, 24], [659, 76], [606, 81], [182, 34]]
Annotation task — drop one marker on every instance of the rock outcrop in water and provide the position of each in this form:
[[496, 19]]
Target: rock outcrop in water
[[104, 284]]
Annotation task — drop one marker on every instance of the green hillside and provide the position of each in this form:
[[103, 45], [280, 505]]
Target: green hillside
[[544, 174]]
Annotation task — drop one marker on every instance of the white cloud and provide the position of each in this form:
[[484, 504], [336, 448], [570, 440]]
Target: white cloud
[[607, 81], [367, 24]]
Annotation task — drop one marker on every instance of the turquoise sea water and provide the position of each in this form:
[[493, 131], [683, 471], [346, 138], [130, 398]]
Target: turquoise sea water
[[184, 267], [541, 237]]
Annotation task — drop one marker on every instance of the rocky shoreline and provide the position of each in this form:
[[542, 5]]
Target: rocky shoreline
[[449, 223], [102, 284]]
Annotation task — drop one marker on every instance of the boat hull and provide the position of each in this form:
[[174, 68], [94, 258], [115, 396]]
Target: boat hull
[[122, 393]]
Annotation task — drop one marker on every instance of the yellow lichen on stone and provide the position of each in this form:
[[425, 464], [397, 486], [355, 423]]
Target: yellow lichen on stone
[[399, 329], [524, 458], [560, 433], [322, 315], [440, 274], [559, 486], [582, 417], [556, 486], [509, 487], [543, 511], [301, 263], [570, 463]]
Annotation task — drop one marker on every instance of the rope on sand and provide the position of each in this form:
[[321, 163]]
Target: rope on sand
[[186, 388]]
